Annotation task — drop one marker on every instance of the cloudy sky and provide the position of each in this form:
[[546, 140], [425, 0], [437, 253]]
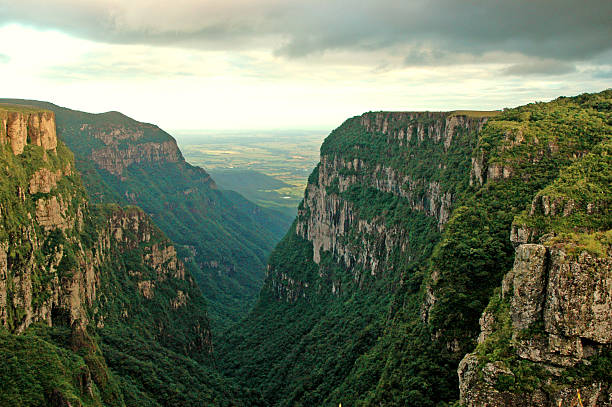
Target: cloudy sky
[[270, 64]]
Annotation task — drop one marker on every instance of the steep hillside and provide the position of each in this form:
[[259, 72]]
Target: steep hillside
[[96, 308], [375, 294], [225, 237], [546, 335]]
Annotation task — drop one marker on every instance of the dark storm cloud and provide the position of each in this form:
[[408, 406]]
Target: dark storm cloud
[[437, 32]]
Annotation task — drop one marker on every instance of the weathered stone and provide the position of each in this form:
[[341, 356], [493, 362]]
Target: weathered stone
[[17, 131], [487, 326], [570, 297], [476, 387], [22, 128], [146, 288], [51, 213], [180, 300], [579, 297], [529, 285], [115, 159], [41, 130], [44, 181]]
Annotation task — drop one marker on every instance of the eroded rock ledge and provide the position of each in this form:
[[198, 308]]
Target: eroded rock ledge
[[560, 315]]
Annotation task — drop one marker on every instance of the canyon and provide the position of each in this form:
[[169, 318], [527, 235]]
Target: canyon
[[438, 258]]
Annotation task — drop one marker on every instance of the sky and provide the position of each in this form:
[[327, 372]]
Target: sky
[[308, 64]]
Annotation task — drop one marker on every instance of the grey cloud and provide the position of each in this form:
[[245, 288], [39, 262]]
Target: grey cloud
[[540, 67], [602, 73], [441, 31]]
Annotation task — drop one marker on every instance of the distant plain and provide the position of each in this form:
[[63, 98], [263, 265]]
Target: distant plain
[[270, 169]]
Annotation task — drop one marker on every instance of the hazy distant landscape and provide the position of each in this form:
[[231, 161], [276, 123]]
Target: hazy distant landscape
[[271, 169]]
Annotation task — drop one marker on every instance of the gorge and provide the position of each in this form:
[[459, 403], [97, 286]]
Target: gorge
[[437, 259]]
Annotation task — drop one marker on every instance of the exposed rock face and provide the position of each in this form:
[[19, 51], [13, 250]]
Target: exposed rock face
[[330, 222], [552, 207], [64, 298], [483, 170], [578, 300], [133, 228], [529, 285], [116, 160], [127, 145], [41, 130], [570, 299], [51, 213], [288, 288], [440, 126], [32, 289], [402, 128], [43, 180], [49, 272], [19, 128]]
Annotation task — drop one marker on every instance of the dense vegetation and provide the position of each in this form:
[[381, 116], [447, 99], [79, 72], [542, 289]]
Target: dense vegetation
[[224, 237], [396, 338], [126, 348]]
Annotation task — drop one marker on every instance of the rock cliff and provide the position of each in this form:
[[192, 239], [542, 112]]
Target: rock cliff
[[548, 331], [328, 217], [77, 278], [46, 270], [128, 144], [557, 322], [222, 235], [401, 242], [20, 126]]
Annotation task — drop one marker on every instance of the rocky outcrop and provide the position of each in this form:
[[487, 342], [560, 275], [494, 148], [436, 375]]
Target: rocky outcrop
[[73, 286], [70, 285], [22, 126], [52, 213], [125, 145], [333, 224], [44, 181], [333, 219], [115, 160], [403, 126], [424, 195], [496, 169], [547, 207], [560, 308], [133, 228], [288, 288], [54, 253]]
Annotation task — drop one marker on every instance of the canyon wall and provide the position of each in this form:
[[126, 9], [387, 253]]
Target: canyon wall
[[22, 126], [56, 252]]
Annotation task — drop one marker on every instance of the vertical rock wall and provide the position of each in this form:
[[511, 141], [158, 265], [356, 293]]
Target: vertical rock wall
[[20, 128]]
